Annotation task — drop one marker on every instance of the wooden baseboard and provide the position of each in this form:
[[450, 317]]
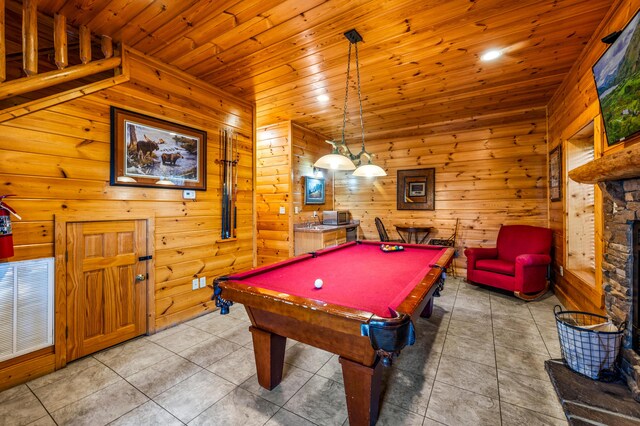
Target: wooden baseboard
[[27, 367]]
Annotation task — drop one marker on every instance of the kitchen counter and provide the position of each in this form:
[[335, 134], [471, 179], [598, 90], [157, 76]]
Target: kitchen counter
[[319, 228]]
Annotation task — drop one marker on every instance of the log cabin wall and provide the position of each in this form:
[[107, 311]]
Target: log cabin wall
[[285, 153], [573, 107], [57, 162], [489, 171], [307, 147]]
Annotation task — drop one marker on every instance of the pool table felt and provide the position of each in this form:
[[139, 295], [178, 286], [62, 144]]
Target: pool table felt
[[358, 276]]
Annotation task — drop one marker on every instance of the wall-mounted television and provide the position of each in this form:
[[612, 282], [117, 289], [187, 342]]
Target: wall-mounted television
[[617, 76]]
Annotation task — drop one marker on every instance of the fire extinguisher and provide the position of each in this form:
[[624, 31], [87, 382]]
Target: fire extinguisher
[[6, 237]]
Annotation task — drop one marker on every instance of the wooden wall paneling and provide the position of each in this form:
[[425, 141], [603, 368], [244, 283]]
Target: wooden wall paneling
[[572, 107], [273, 191], [307, 147], [64, 170], [485, 177]]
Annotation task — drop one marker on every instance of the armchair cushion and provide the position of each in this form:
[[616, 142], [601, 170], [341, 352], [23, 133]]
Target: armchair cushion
[[497, 265]]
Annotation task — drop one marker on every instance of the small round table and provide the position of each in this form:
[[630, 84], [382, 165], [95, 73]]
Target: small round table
[[413, 231]]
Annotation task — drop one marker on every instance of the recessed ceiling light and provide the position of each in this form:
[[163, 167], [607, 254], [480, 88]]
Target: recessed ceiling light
[[323, 98], [491, 55]]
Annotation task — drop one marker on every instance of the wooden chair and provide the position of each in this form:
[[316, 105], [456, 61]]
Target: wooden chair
[[383, 232], [448, 242]]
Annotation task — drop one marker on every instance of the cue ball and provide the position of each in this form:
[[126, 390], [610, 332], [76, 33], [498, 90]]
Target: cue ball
[[318, 283]]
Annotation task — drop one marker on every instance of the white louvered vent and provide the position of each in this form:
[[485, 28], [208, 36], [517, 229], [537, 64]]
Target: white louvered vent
[[26, 307]]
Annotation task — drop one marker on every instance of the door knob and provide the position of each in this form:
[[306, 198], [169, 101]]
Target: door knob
[[139, 277]]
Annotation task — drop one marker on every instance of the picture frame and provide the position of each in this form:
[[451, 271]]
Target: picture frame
[[416, 189], [313, 190], [155, 153], [555, 174]]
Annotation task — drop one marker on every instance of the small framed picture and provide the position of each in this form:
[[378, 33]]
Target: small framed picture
[[313, 190], [417, 189], [555, 174]]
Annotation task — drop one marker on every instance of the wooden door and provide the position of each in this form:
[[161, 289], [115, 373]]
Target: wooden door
[[106, 284]]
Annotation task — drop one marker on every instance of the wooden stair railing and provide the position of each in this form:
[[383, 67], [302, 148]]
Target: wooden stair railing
[[113, 60]]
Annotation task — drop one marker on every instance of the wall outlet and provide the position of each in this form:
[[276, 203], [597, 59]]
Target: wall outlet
[[194, 284], [282, 210], [315, 213], [189, 194], [203, 282], [296, 209], [561, 271]]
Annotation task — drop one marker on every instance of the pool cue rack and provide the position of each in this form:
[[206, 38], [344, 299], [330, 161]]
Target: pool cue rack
[[228, 160]]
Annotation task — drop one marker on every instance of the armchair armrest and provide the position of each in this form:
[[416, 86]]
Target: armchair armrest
[[533, 260], [477, 253]]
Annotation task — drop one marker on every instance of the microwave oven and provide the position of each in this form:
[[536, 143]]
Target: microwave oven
[[335, 217]]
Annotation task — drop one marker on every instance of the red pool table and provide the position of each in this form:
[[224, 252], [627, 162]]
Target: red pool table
[[362, 312]]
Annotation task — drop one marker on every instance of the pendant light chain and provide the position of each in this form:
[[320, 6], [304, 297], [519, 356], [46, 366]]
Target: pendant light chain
[[359, 94], [346, 91]]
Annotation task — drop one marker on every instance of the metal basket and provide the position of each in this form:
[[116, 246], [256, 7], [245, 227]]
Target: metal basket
[[586, 349]]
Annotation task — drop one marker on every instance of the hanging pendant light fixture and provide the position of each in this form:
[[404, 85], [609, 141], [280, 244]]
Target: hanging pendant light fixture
[[341, 157]]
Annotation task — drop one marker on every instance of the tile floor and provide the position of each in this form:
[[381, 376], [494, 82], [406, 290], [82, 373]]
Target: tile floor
[[477, 361]]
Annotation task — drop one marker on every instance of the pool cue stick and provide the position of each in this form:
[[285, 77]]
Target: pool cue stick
[[223, 152], [235, 185]]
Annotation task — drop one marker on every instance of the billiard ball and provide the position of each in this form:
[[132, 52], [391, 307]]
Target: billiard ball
[[318, 283]]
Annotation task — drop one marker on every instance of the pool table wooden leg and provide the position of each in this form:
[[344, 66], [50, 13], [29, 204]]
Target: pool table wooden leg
[[268, 349], [362, 388], [428, 309]]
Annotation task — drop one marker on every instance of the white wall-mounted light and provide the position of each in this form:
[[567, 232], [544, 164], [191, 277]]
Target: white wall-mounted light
[[490, 55]]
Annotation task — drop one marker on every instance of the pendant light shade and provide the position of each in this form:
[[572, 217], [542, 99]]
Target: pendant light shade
[[334, 162], [341, 158], [369, 170]]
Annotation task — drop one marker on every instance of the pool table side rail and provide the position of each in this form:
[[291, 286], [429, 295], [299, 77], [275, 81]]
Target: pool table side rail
[[417, 298]]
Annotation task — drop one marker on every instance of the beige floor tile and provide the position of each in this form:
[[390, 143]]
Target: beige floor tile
[[183, 340], [421, 359], [287, 418], [320, 400], [471, 315], [101, 407], [154, 380], [189, 398], [147, 414], [239, 334], [293, 379], [471, 376], [527, 392], [215, 323], [470, 330], [19, 406], [75, 387], [209, 351], [332, 370], [236, 367], [513, 415], [169, 331], [43, 421], [238, 408], [455, 406], [69, 371], [133, 356], [528, 342], [406, 390], [469, 349], [473, 303], [520, 362], [306, 357], [392, 415], [523, 324]]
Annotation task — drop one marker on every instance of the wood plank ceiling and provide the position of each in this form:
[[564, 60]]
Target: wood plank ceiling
[[419, 61]]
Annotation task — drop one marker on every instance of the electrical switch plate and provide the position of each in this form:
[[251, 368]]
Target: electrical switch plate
[[203, 282], [194, 284], [296, 210], [561, 271], [315, 213], [189, 194], [282, 210]]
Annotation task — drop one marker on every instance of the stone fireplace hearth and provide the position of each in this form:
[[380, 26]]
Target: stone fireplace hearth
[[621, 216]]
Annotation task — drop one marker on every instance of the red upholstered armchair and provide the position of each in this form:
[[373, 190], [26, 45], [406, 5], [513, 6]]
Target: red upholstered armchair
[[518, 263]]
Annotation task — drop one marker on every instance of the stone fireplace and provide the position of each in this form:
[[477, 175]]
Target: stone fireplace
[[620, 269]]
